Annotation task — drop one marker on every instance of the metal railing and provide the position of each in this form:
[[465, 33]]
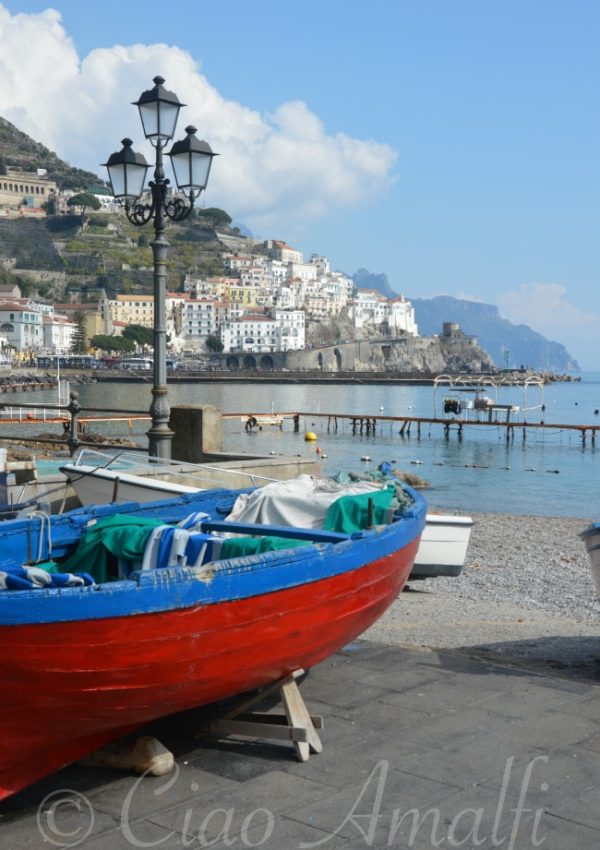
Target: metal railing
[[67, 413], [155, 467]]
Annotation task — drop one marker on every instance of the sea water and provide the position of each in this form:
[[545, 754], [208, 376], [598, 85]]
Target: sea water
[[550, 473]]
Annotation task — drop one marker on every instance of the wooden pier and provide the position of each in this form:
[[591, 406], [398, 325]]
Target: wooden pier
[[357, 423], [369, 424]]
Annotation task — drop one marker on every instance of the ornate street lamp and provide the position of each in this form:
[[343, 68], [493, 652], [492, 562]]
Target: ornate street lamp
[[191, 160]]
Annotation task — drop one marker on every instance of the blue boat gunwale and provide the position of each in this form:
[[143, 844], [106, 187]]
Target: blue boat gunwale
[[168, 589], [590, 531]]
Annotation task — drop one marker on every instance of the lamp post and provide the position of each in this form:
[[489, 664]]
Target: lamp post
[[191, 160]]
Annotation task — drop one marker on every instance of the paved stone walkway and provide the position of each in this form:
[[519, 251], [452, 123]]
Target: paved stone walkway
[[422, 749]]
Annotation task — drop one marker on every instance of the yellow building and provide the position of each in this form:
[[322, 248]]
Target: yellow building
[[25, 188], [246, 294], [132, 310]]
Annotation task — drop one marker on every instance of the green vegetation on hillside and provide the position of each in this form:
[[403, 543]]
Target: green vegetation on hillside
[[21, 151]]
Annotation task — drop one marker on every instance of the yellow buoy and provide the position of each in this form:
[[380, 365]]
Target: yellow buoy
[[310, 437]]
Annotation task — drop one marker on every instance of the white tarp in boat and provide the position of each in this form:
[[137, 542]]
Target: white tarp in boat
[[301, 502]]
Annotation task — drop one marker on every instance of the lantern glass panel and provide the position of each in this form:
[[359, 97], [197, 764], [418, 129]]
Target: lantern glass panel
[[191, 169], [200, 170], [127, 180], [159, 118], [116, 174]]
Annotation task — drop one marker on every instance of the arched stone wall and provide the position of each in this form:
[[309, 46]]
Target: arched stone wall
[[266, 362]]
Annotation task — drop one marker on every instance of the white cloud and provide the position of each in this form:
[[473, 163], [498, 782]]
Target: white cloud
[[544, 308], [274, 170]]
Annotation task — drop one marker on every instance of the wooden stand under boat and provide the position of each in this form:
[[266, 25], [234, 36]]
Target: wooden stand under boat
[[296, 725]]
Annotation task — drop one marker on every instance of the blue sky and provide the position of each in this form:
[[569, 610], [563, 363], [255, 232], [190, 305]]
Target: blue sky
[[453, 144]]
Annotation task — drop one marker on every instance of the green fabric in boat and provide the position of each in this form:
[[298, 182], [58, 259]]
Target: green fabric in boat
[[237, 547], [48, 566], [110, 540], [351, 513]]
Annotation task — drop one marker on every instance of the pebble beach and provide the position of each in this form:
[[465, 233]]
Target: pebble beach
[[525, 595]]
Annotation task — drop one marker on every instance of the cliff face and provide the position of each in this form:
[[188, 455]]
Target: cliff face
[[503, 340], [434, 355]]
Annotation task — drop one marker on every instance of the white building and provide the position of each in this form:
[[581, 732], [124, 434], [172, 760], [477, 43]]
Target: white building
[[278, 250], [257, 333], [291, 329], [306, 272], [252, 332], [322, 264], [199, 320], [238, 263], [402, 316], [254, 276], [370, 307], [58, 333], [174, 307], [21, 324], [276, 270]]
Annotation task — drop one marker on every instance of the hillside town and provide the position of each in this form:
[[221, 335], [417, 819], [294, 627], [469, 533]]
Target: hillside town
[[262, 303]]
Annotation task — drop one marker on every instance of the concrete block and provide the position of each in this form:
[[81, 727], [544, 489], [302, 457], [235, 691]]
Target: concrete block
[[198, 430]]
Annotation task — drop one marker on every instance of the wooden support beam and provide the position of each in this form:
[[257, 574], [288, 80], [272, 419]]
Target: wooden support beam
[[296, 725]]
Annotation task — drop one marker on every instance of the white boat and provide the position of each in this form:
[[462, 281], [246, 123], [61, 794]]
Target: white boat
[[443, 547], [591, 538], [98, 478]]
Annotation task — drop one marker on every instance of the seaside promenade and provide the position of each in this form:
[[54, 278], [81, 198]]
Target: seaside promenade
[[422, 749]]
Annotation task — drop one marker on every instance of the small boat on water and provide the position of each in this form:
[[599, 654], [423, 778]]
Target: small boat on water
[[97, 478], [591, 538], [114, 615]]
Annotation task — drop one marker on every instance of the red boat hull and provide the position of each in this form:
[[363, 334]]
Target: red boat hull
[[103, 678]]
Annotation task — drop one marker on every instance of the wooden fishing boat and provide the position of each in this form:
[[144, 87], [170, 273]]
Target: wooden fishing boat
[[84, 665]]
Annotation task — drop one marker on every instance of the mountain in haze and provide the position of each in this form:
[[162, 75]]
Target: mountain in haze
[[495, 335], [365, 279], [21, 151]]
